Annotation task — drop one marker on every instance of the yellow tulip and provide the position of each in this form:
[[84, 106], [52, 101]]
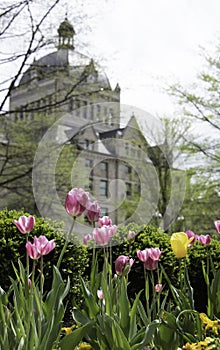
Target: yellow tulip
[[179, 243]]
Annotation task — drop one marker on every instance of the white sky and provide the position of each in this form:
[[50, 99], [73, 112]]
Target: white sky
[[145, 43]]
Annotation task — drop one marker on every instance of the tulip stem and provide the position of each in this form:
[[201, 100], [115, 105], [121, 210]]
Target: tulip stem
[[105, 263], [41, 280], [110, 261], [180, 274], [30, 305], [147, 293], [93, 251], [27, 259], [65, 244], [209, 308], [41, 295]]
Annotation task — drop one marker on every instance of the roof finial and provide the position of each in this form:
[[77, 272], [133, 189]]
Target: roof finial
[[66, 14]]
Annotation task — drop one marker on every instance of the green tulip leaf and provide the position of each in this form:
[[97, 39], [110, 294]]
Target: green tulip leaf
[[70, 341]]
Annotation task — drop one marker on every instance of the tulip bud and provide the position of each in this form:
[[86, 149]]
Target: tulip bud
[[93, 211], [100, 294], [105, 221], [29, 283], [131, 236], [191, 234], [150, 257], [41, 246], [76, 202], [217, 225], [121, 262], [204, 240], [158, 287], [25, 224], [179, 243], [86, 239], [102, 235]]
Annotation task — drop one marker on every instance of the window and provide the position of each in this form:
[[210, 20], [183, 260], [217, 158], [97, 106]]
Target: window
[[139, 150], [128, 189], [111, 116], [128, 169], [21, 115], [98, 108], [105, 112], [89, 145], [85, 109], [103, 188], [92, 112], [104, 168], [126, 148], [77, 107], [137, 188], [71, 105], [89, 163]]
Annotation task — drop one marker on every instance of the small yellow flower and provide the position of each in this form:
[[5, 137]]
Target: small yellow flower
[[68, 330], [209, 324], [187, 346], [83, 346], [202, 345], [179, 243], [164, 315]]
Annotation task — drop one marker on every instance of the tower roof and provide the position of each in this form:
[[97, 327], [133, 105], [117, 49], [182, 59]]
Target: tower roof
[[67, 60], [66, 29]]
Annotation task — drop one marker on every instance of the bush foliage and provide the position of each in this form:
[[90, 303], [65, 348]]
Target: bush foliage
[[12, 248], [149, 236], [75, 262]]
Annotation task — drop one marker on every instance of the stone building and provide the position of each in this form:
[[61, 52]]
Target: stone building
[[70, 86]]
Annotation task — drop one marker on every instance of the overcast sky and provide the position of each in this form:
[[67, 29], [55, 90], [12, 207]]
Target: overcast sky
[[142, 44], [145, 43]]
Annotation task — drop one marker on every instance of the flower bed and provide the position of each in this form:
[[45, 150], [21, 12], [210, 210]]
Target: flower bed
[[159, 316]]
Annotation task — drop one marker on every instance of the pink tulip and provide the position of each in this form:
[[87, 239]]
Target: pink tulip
[[44, 246], [32, 251], [93, 211], [121, 262], [192, 234], [158, 287], [204, 240], [217, 225], [76, 202], [105, 221], [102, 235], [131, 236], [100, 294], [150, 257], [41, 246], [25, 224], [86, 239], [151, 264]]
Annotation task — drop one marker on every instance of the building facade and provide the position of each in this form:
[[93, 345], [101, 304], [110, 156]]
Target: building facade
[[76, 94]]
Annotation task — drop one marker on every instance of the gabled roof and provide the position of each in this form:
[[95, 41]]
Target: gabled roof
[[112, 133]]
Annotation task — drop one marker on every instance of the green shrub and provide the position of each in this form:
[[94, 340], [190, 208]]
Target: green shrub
[[149, 236], [198, 255], [12, 248]]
